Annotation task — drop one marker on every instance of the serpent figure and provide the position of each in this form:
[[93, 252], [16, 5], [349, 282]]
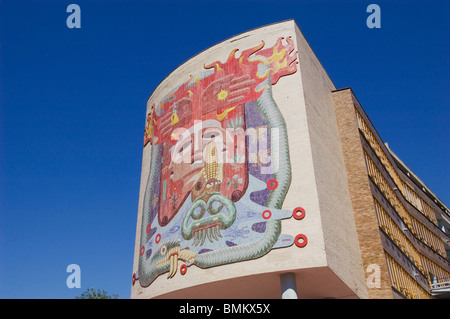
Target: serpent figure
[[148, 271], [165, 257], [269, 109]]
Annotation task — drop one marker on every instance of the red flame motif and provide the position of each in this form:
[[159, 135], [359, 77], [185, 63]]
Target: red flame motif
[[237, 79]]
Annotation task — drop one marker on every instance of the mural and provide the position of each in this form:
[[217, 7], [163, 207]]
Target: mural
[[220, 166]]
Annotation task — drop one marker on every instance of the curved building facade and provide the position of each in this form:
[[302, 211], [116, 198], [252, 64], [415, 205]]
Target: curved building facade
[[244, 190]]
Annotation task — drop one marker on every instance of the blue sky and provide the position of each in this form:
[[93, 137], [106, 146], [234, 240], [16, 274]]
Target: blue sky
[[73, 103]]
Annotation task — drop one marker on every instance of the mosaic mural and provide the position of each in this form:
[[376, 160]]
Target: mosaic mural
[[220, 166]]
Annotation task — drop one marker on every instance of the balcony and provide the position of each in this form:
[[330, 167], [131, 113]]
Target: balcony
[[440, 289]]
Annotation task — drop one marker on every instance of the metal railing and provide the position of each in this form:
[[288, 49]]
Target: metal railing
[[440, 285], [440, 288]]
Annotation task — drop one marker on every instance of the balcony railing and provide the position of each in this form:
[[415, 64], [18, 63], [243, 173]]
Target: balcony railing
[[440, 288]]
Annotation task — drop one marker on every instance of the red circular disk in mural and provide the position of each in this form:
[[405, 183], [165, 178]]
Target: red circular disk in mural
[[299, 213], [301, 240], [272, 184], [133, 280], [266, 214], [142, 250], [149, 227], [183, 269], [157, 238]]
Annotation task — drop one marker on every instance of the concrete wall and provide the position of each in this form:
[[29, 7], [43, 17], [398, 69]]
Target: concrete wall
[[330, 265], [335, 207]]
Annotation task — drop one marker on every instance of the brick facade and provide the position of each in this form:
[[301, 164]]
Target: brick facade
[[361, 195]]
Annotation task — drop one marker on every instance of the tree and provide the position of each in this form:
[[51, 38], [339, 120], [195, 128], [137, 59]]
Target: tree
[[91, 293]]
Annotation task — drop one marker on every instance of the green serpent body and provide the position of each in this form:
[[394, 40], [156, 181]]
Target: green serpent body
[[280, 160]]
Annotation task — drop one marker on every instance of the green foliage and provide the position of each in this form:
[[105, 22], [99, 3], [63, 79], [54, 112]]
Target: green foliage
[[91, 293]]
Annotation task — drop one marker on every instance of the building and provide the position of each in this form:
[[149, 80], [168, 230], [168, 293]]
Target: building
[[402, 226], [260, 179]]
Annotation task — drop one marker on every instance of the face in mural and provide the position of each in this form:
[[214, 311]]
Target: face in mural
[[198, 157], [220, 166]]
